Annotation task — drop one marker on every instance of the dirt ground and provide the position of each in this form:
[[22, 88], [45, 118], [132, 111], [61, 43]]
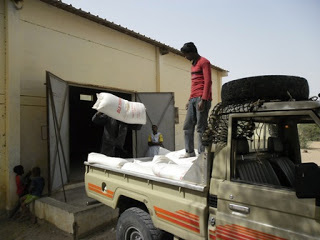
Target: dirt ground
[[312, 154], [24, 229]]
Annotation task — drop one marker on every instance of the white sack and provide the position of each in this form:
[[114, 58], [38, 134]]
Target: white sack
[[105, 160], [163, 151], [120, 109], [171, 171], [175, 157], [138, 168], [160, 159], [148, 164]]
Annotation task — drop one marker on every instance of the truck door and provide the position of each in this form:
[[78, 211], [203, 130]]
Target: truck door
[[160, 112], [58, 122], [258, 199]]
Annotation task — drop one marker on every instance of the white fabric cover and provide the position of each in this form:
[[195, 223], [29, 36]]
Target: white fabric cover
[[120, 109], [105, 160]]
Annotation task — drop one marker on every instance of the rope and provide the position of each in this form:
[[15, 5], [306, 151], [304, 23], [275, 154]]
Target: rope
[[217, 129]]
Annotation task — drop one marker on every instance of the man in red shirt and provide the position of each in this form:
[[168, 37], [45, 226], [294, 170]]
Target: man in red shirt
[[200, 98]]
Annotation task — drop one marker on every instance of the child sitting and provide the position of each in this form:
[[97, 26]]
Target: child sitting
[[21, 182], [35, 191]]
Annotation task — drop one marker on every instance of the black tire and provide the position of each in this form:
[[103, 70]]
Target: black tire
[[268, 88], [134, 223]]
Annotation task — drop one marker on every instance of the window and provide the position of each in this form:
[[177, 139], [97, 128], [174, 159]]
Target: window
[[85, 97], [267, 148], [309, 138]]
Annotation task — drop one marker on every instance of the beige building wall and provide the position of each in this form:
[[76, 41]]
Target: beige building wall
[[77, 50], [3, 182]]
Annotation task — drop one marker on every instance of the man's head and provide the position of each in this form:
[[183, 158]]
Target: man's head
[[189, 50], [154, 128]]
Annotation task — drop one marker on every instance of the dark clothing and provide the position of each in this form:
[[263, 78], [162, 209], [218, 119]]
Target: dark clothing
[[114, 133], [37, 185]]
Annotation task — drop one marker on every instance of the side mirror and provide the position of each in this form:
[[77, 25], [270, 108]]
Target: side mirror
[[307, 181]]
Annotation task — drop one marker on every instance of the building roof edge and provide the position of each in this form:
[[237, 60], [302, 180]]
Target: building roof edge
[[79, 12]]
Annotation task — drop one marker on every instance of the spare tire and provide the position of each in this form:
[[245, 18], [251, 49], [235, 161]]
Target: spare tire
[[268, 88]]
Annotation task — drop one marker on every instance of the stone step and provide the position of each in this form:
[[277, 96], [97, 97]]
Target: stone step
[[74, 216]]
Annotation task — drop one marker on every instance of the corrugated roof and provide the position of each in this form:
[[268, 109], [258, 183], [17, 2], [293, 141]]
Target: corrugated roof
[[163, 47]]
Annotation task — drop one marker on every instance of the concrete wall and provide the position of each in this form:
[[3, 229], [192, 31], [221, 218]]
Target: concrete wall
[[44, 38], [2, 109], [11, 86]]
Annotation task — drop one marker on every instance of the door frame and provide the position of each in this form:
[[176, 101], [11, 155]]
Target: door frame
[[58, 141], [134, 97]]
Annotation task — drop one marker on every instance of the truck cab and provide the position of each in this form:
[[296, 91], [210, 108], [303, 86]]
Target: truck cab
[[263, 184]]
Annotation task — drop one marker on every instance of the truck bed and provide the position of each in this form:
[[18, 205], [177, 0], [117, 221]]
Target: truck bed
[[185, 202], [147, 178]]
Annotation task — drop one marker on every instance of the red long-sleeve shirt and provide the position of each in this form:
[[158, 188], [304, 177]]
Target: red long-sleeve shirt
[[201, 80], [20, 186]]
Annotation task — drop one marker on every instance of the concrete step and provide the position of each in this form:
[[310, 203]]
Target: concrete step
[[74, 216]]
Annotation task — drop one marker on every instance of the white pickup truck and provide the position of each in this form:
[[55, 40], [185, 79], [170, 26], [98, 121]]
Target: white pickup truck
[[253, 182]]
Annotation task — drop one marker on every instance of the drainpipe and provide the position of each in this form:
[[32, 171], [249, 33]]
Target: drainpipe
[[160, 51]]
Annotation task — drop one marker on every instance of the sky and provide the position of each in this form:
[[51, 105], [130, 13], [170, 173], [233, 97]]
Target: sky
[[245, 37]]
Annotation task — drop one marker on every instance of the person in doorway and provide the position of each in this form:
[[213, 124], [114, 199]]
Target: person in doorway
[[114, 134], [199, 102], [155, 141]]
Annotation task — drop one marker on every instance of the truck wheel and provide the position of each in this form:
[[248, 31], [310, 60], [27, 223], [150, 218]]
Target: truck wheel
[[268, 87], [136, 224]]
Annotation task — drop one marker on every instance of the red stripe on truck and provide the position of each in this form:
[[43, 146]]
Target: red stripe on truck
[[98, 190], [185, 221]]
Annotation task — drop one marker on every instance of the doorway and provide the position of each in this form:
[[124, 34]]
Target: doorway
[[72, 135], [85, 136]]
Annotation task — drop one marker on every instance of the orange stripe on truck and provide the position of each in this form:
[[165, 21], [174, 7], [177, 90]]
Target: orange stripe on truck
[[190, 215], [252, 232], [185, 221], [212, 235], [236, 232], [98, 190], [224, 233]]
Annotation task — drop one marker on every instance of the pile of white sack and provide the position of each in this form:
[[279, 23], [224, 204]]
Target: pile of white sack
[[121, 109], [169, 166]]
